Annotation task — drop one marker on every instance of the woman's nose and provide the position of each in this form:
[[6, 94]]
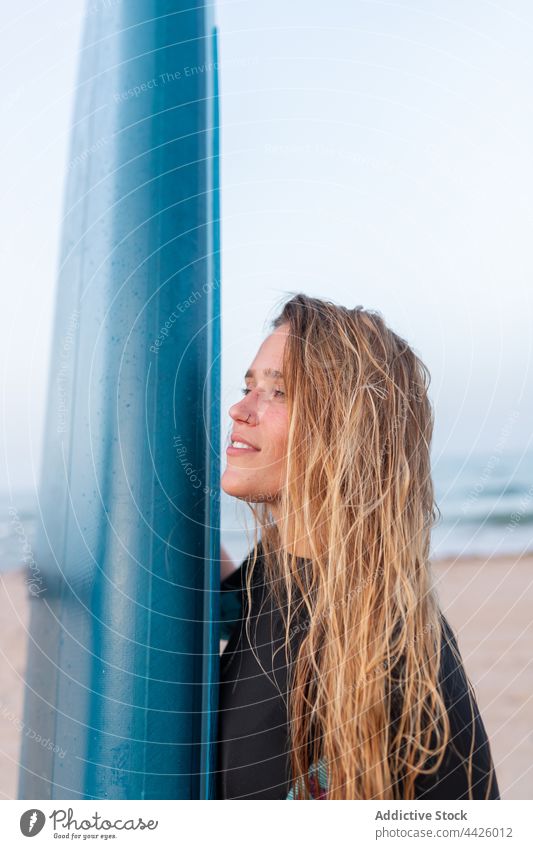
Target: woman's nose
[[242, 412]]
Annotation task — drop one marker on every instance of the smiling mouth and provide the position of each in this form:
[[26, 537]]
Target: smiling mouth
[[237, 448]]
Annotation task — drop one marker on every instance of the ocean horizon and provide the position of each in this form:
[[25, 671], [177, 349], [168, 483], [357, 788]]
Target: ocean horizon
[[485, 501]]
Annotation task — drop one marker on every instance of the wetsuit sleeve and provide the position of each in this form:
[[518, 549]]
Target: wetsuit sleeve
[[467, 733]]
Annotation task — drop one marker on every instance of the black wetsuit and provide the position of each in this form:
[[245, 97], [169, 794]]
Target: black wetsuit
[[253, 741]]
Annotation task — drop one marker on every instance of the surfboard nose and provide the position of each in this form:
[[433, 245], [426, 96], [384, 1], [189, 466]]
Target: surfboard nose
[[123, 652]]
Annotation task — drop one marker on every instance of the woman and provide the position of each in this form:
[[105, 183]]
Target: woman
[[342, 679]]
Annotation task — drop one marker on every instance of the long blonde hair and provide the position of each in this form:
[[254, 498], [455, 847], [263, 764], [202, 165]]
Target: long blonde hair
[[358, 491]]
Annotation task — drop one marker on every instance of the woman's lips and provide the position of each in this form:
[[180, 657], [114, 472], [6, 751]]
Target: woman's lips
[[236, 451]]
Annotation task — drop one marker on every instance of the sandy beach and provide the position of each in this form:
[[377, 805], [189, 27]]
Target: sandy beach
[[14, 607], [488, 602]]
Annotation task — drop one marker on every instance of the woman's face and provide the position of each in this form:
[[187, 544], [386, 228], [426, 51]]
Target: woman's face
[[260, 418]]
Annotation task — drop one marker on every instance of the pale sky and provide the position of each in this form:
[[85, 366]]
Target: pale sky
[[374, 153]]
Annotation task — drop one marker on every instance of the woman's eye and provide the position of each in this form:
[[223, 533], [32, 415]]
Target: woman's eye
[[277, 392]]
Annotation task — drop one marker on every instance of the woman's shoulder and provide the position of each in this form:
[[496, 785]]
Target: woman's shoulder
[[232, 595], [458, 691]]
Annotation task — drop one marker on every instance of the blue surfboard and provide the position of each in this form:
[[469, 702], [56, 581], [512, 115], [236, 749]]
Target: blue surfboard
[[123, 658]]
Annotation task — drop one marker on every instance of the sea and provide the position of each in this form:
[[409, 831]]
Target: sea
[[485, 503]]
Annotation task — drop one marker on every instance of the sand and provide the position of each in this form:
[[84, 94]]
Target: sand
[[489, 604], [14, 611]]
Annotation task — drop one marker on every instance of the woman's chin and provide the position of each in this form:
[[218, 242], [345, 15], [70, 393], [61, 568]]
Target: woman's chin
[[232, 485], [236, 490]]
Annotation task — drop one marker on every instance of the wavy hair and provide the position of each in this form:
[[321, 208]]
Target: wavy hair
[[358, 491]]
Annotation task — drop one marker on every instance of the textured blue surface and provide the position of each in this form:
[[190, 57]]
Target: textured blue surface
[[123, 652]]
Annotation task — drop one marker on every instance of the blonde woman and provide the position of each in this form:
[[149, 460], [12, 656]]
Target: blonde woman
[[342, 679]]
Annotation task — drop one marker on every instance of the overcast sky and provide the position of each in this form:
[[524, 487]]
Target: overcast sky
[[374, 153]]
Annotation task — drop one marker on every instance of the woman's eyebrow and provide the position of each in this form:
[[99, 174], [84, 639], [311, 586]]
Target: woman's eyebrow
[[267, 372]]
